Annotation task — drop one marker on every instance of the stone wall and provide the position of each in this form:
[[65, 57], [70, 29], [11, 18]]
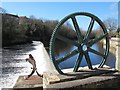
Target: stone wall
[[112, 45], [115, 49]]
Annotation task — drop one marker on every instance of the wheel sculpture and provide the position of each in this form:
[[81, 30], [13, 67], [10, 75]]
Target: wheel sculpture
[[80, 43]]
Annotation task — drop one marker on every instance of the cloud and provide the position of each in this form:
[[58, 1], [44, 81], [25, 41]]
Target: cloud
[[114, 6]]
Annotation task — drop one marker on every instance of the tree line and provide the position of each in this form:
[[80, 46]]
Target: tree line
[[14, 32]]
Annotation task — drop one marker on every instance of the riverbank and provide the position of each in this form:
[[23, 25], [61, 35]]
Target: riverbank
[[16, 42]]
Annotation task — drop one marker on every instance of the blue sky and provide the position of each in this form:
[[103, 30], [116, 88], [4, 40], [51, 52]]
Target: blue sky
[[119, 14], [58, 10]]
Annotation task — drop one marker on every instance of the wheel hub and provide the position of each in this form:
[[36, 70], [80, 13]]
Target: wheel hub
[[84, 47]]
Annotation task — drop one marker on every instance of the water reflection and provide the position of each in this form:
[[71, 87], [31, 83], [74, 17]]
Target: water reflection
[[62, 48]]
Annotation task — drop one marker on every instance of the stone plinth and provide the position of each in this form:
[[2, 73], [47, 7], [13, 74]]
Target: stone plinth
[[85, 78], [98, 78], [115, 49], [118, 54], [34, 82]]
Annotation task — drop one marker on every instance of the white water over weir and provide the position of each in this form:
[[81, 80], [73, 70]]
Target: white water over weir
[[43, 62]]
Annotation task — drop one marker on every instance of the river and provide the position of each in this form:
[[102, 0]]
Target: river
[[14, 64]]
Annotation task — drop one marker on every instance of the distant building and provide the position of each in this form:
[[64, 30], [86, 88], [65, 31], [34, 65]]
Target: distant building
[[18, 19], [10, 17], [23, 19]]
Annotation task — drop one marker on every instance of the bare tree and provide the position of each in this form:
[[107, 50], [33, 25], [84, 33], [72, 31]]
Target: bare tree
[[118, 32], [111, 25], [2, 10]]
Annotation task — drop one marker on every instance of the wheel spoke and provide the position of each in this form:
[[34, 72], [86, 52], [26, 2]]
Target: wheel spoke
[[95, 52], [79, 34], [96, 40], [88, 60], [62, 38], [78, 61], [102, 63], [89, 29], [67, 56]]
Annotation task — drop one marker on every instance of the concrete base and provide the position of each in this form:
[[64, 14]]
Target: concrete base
[[85, 78], [99, 78], [103, 81], [118, 54], [115, 50], [34, 82]]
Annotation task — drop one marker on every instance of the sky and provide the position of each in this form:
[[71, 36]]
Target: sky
[[58, 10], [119, 14], [59, 0]]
